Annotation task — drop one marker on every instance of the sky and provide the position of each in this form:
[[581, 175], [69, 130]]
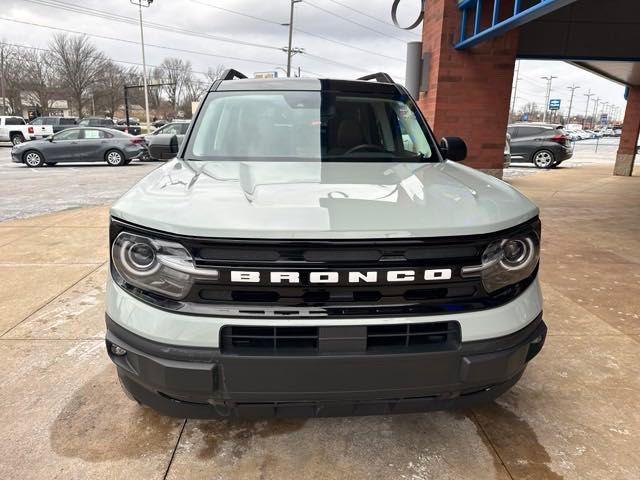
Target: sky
[[358, 38]]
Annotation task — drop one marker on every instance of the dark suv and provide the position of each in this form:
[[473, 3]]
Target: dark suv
[[545, 145]]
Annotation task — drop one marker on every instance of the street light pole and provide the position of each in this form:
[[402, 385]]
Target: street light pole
[[573, 89], [289, 52], [548, 97], [146, 4], [586, 110]]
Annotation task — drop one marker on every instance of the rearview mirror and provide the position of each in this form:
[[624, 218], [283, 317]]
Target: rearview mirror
[[163, 146], [453, 148]]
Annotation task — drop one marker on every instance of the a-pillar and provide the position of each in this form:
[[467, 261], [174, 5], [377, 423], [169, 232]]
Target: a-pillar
[[469, 91], [629, 139]]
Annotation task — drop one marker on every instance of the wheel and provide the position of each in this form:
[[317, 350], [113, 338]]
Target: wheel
[[33, 159], [17, 138], [114, 158], [543, 159]]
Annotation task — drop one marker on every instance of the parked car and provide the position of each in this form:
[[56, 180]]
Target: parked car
[[16, 130], [58, 123], [176, 128], [543, 144], [109, 123], [301, 256], [159, 123], [80, 145]]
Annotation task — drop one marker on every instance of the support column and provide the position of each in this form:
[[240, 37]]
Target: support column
[[469, 91], [629, 139]]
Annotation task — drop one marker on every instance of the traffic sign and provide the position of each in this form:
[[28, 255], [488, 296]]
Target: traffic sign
[[554, 104], [604, 119]]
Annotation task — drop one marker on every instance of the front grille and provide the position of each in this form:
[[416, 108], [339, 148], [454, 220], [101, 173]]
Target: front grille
[[374, 339], [265, 299]]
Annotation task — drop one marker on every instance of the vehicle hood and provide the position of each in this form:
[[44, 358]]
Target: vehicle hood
[[322, 200]]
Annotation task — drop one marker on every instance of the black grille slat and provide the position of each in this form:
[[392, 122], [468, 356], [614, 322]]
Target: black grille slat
[[374, 339]]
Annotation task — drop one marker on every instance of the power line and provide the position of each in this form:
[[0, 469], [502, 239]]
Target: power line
[[115, 39], [299, 30], [361, 25], [158, 26], [120, 18]]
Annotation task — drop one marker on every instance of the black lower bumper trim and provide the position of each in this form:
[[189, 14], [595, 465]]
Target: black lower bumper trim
[[203, 383]]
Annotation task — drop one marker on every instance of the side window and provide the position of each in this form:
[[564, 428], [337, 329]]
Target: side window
[[183, 128], [67, 121], [37, 121], [67, 135], [14, 121], [172, 129], [513, 131], [90, 134], [50, 121]]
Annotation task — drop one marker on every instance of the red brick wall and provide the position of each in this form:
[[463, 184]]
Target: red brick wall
[[469, 91], [629, 138]]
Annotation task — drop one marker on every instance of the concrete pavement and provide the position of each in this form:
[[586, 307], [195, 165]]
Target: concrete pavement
[[574, 414]]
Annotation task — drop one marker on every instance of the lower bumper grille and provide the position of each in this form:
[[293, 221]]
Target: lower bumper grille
[[382, 339]]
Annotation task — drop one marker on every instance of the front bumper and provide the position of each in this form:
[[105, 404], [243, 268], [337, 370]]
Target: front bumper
[[198, 382]]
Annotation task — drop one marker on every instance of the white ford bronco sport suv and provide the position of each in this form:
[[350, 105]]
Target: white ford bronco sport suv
[[312, 251]]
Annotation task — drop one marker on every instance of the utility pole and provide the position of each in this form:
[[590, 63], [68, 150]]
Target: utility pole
[[595, 111], [586, 110], [4, 100], [573, 89], [515, 91], [289, 48], [548, 96], [146, 4]]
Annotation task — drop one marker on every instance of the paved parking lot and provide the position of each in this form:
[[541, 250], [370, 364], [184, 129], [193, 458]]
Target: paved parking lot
[[574, 415], [25, 192]]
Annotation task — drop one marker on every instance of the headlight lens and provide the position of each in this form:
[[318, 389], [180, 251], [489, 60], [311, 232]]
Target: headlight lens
[[507, 261], [156, 265]]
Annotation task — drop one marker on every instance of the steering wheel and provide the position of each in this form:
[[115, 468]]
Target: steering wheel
[[364, 146]]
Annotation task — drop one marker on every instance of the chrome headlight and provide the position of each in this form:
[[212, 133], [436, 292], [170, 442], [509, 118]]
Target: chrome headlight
[[156, 265], [507, 261]]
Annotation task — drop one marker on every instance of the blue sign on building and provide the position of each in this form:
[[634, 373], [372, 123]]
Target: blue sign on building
[[554, 104]]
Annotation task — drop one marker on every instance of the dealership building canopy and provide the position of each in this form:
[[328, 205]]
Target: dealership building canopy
[[469, 50]]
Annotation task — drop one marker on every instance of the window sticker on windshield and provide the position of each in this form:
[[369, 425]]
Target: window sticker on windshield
[[91, 134]]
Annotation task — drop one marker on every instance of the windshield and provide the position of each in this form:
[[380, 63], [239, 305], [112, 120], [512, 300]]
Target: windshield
[[301, 125]]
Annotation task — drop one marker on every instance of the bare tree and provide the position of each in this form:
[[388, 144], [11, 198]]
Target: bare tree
[[214, 74], [39, 78], [177, 74], [79, 64], [109, 89], [10, 81]]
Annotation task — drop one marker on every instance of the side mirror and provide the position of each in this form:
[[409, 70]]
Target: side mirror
[[163, 146], [50, 138], [453, 148]]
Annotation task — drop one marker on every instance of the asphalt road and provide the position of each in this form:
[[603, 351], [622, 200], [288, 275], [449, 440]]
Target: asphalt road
[[26, 192]]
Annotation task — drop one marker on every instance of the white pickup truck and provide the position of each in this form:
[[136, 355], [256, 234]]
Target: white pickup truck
[[16, 130]]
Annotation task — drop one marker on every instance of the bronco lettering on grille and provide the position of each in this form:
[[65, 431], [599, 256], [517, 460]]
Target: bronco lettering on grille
[[320, 277]]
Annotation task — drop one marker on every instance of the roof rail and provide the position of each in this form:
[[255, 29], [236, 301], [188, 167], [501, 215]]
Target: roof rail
[[378, 77], [231, 74]]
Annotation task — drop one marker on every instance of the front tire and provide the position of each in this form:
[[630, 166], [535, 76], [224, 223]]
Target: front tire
[[544, 159], [33, 159], [17, 139], [114, 158]]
